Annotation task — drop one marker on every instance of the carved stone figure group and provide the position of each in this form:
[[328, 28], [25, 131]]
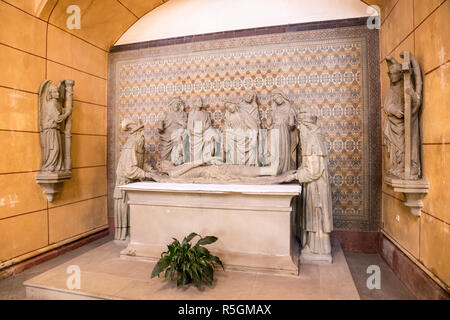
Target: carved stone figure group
[[193, 151], [191, 138]]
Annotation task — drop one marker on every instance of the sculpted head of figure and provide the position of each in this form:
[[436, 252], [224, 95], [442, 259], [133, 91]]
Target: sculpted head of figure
[[307, 118], [197, 103], [176, 105], [394, 70], [250, 96], [230, 106], [279, 97], [52, 93], [311, 138]]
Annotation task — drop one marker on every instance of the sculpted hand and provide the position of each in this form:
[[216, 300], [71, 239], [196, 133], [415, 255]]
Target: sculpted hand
[[415, 98], [63, 117], [149, 175], [410, 92], [293, 176], [398, 113], [147, 167]]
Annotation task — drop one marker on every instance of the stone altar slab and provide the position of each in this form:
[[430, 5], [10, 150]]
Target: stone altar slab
[[254, 223]]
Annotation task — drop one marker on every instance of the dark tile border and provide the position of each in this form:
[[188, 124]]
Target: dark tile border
[[357, 241], [242, 33], [412, 276]]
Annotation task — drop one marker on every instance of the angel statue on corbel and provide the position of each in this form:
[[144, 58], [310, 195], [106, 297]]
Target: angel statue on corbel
[[55, 115], [402, 108]]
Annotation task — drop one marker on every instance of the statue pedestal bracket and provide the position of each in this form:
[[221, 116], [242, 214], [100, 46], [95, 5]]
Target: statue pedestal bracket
[[413, 190], [253, 223], [52, 182]]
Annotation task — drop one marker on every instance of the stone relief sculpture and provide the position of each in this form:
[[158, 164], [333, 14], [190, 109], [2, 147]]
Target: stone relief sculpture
[[202, 137], [130, 168], [283, 130], [173, 132], [401, 130], [238, 162], [192, 146], [55, 114], [317, 222]]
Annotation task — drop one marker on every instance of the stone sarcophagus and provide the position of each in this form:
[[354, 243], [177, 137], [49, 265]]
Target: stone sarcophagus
[[255, 224]]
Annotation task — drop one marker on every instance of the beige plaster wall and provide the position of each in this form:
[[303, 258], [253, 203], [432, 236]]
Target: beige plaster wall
[[423, 27], [32, 48]]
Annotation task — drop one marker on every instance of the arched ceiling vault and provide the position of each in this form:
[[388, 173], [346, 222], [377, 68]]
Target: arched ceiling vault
[[103, 21]]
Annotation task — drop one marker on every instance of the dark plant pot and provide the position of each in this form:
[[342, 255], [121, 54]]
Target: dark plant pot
[[188, 280]]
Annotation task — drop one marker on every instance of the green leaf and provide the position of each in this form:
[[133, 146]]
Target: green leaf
[[194, 269], [190, 237], [203, 251], [197, 282], [175, 242], [207, 240], [159, 267], [209, 271], [181, 279], [218, 261], [166, 274]]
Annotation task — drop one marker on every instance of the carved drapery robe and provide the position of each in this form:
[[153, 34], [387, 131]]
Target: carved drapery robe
[[241, 138], [252, 113], [313, 173], [129, 169], [285, 135], [202, 136], [394, 132], [394, 129], [173, 135], [52, 151]]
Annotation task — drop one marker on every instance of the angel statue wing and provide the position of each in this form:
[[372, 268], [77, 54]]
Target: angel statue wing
[[416, 73], [418, 81], [43, 91]]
